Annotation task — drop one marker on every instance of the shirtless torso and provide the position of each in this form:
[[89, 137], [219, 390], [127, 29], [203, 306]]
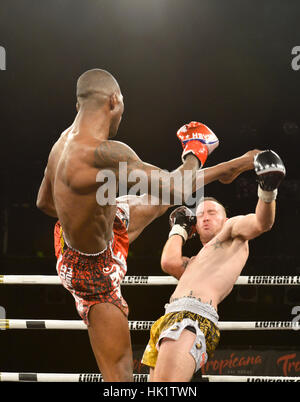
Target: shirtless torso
[[211, 274], [72, 172]]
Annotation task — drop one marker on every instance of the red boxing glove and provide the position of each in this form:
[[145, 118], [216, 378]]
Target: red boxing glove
[[198, 139]]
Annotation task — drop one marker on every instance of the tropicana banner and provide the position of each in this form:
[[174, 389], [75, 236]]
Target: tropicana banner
[[249, 362]]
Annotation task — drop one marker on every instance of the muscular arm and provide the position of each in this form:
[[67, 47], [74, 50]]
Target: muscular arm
[[110, 153], [45, 199], [172, 261], [253, 225], [130, 171]]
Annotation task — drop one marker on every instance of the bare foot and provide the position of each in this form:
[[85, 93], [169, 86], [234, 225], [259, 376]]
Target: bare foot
[[239, 165]]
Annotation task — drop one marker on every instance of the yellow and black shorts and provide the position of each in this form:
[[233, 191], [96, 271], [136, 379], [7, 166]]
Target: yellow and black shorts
[[172, 324]]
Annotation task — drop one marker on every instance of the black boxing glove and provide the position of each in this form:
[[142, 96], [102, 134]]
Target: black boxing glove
[[270, 171], [183, 223]]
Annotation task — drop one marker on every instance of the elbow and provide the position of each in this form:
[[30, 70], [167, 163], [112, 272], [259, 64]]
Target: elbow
[[169, 267], [40, 200], [39, 204], [46, 208], [266, 227], [269, 226], [164, 263], [42, 208]]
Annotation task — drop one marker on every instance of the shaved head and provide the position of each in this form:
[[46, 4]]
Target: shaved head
[[95, 87], [98, 93], [200, 206]]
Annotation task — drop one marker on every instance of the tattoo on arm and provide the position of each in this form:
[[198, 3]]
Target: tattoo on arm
[[110, 153]]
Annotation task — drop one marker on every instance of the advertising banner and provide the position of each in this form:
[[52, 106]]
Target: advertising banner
[[249, 362]]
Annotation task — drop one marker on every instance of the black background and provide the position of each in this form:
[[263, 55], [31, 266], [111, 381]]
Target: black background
[[224, 63]]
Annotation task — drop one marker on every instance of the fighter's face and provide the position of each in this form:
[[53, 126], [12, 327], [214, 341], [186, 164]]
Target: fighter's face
[[211, 217], [116, 115]]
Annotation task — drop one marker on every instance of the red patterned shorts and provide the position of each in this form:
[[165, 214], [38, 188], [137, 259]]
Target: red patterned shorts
[[93, 279]]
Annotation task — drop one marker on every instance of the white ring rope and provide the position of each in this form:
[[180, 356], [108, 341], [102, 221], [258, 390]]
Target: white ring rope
[[148, 280], [62, 377], [140, 326], [145, 325]]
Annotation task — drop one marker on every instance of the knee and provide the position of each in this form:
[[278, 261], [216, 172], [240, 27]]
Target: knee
[[122, 369], [125, 363]]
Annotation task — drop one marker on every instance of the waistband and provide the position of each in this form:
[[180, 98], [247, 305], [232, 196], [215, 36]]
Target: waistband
[[86, 254], [193, 305]]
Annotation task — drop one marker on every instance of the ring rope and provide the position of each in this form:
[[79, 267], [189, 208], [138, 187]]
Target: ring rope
[[148, 280], [62, 377], [145, 325]]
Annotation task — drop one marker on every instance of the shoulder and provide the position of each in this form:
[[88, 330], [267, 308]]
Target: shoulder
[[233, 220], [54, 156], [111, 152], [114, 146], [58, 146], [231, 224], [242, 226]]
